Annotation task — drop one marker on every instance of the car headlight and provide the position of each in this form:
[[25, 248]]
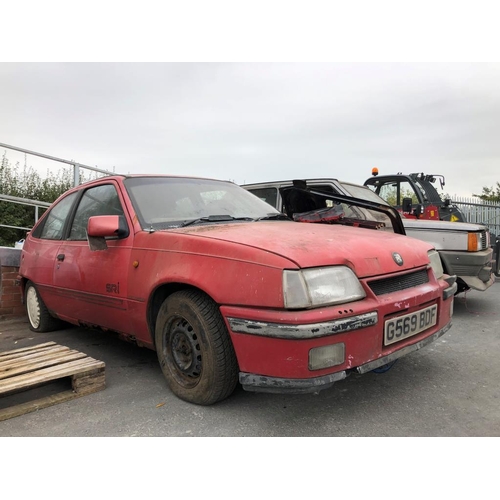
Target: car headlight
[[320, 286], [436, 264]]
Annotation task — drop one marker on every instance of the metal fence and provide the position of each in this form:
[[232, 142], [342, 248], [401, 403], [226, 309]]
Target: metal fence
[[480, 212], [40, 204], [23, 201], [76, 166]]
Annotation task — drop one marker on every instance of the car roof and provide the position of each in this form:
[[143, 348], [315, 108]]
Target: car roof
[[135, 176], [290, 181]]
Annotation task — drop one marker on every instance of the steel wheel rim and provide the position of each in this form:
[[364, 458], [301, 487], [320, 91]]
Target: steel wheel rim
[[183, 352], [33, 307]]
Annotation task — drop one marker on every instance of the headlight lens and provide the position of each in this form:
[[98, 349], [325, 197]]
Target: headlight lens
[[320, 287], [436, 264]]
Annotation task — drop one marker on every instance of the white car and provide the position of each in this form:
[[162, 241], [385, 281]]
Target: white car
[[464, 248]]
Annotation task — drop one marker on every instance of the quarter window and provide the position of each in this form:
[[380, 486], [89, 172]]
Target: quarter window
[[269, 195]]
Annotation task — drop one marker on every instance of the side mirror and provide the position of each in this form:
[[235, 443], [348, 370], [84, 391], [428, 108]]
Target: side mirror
[[407, 205], [101, 227]]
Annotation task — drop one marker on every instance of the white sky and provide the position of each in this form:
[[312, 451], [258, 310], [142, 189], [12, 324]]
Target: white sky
[[252, 122]]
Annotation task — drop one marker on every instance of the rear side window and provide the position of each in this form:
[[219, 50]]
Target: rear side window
[[269, 195], [99, 200], [52, 227]]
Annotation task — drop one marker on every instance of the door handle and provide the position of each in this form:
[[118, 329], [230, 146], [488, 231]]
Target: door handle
[[60, 257]]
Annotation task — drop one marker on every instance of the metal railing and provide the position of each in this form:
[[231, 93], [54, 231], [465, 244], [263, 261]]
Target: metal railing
[[24, 201], [76, 165], [40, 204]]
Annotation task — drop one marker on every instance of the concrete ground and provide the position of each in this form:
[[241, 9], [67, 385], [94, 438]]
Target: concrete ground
[[449, 388]]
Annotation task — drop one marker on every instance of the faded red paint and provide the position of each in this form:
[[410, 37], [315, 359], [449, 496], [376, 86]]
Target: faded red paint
[[240, 266]]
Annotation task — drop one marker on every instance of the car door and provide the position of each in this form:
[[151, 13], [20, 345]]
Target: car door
[[42, 247], [394, 189], [94, 283]]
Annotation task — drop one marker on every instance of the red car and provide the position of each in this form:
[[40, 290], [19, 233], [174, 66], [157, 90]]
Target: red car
[[225, 288]]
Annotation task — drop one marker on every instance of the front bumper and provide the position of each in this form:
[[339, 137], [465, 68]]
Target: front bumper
[[307, 331], [277, 350], [317, 330], [259, 383], [473, 268]]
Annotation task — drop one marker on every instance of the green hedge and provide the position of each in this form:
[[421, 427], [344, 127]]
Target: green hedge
[[25, 182]]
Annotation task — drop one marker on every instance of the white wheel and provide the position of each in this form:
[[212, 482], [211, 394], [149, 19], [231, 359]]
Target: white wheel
[[33, 307], [39, 317]]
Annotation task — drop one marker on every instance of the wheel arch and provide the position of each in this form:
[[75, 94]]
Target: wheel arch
[[159, 295]]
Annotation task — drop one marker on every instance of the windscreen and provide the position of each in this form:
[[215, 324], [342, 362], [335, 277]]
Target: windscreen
[[163, 202]]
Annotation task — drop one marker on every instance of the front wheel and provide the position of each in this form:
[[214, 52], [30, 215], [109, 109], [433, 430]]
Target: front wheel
[[40, 320], [194, 348]]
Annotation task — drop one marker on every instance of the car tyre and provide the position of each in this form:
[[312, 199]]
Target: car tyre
[[39, 318], [194, 348]]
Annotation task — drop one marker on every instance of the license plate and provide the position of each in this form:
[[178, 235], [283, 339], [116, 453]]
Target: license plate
[[405, 326]]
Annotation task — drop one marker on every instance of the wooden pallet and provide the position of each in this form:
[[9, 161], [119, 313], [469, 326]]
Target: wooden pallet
[[32, 367]]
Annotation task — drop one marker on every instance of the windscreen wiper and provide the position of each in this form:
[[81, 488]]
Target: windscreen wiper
[[213, 218]]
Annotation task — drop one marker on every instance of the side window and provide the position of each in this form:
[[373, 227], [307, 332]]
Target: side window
[[100, 200], [53, 225], [394, 192], [389, 193], [407, 191], [269, 195]]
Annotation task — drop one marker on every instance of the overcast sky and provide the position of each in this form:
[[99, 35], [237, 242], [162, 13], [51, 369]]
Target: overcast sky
[[253, 122]]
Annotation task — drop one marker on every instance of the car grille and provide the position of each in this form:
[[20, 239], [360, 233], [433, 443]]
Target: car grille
[[397, 283]]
